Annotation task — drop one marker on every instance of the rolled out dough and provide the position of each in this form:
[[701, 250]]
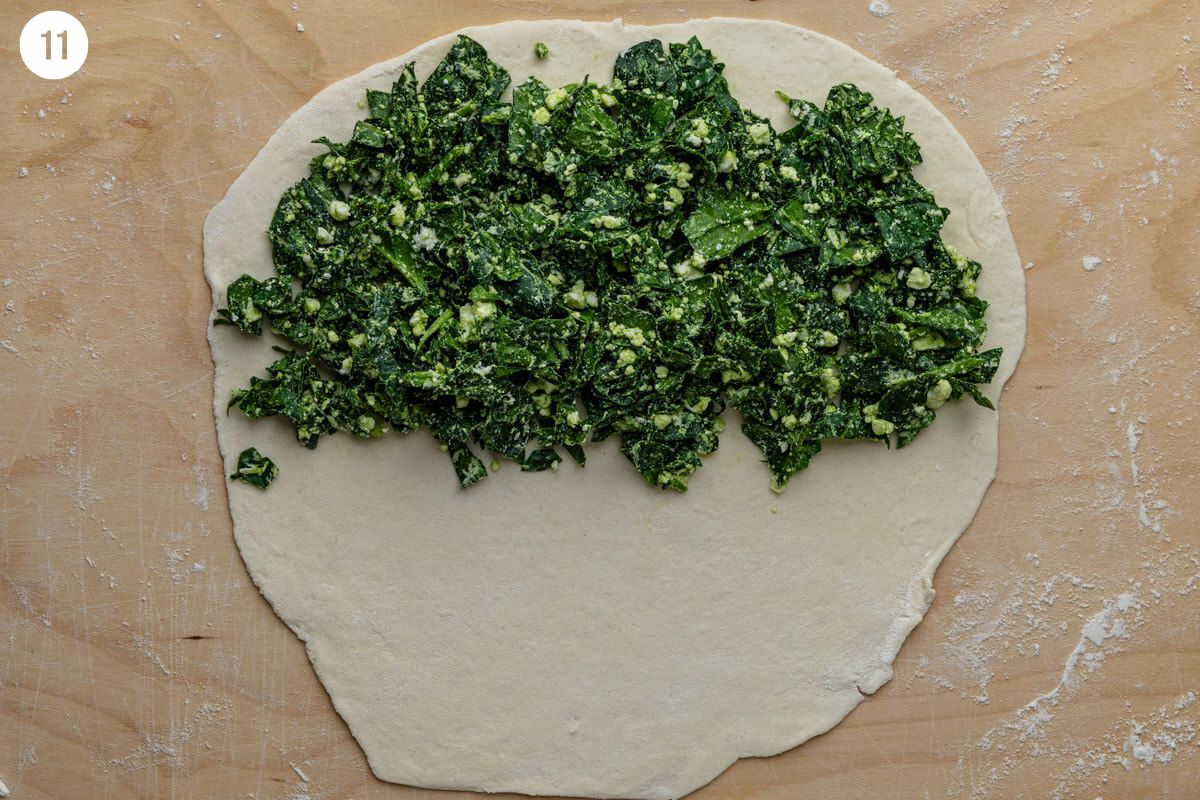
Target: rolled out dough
[[579, 632]]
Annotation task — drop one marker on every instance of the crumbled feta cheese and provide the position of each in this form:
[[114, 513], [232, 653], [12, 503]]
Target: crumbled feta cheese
[[760, 133], [575, 297], [472, 314], [608, 221], [425, 239], [339, 210], [826, 339], [937, 395], [688, 270], [882, 427], [830, 382], [397, 215], [417, 322], [786, 339], [918, 279]]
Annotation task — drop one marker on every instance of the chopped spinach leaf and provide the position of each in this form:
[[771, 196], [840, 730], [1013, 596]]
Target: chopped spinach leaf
[[255, 469], [626, 259], [723, 223]]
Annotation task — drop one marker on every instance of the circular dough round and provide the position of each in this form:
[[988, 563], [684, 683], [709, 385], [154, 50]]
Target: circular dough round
[[578, 632]]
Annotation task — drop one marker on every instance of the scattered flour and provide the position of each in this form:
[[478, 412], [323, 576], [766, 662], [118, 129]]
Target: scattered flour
[[198, 490], [1054, 67], [989, 627], [1082, 756], [170, 750], [143, 645], [879, 8], [1090, 262], [1113, 621], [1158, 738], [1141, 751]]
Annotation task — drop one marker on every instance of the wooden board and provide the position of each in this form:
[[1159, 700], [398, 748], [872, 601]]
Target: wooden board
[[137, 660]]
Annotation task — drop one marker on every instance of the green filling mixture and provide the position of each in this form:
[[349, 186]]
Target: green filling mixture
[[626, 259], [255, 469]]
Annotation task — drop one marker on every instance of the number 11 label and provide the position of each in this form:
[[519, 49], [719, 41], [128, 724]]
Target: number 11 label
[[54, 45]]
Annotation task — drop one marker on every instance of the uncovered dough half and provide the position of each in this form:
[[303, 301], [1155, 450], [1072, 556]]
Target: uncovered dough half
[[578, 632]]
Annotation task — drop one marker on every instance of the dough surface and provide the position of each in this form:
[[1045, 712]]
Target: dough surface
[[578, 632]]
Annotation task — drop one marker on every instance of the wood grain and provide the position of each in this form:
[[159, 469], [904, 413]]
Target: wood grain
[[136, 659]]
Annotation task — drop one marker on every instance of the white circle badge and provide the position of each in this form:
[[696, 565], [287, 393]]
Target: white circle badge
[[54, 45]]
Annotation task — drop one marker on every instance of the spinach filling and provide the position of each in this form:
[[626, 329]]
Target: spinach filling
[[626, 259], [255, 469]]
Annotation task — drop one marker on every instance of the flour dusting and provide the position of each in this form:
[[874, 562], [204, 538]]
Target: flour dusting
[[1158, 738], [170, 750], [1110, 622]]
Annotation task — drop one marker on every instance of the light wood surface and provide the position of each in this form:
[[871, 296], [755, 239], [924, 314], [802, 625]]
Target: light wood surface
[[137, 660]]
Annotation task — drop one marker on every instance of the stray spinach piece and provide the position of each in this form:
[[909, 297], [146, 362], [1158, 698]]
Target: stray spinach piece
[[625, 259], [541, 51], [255, 469]]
